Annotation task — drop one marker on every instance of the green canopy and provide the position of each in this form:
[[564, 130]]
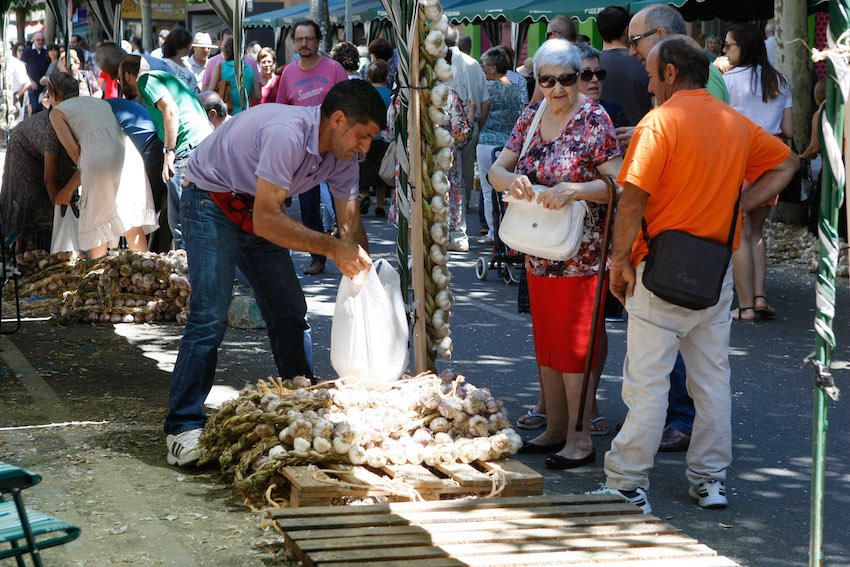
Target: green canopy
[[108, 14], [519, 10], [278, 18], [729, 10], [359, 9]]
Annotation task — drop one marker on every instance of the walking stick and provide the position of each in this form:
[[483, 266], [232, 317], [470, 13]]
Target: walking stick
[[597, 300]]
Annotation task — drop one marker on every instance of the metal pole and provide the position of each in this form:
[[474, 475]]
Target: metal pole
[[832, 189], [349, 25]]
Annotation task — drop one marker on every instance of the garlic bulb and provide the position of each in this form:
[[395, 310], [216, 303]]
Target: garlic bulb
[[277, 451], [443, 299], [301, 428], [443, 70], [439, 95], [440, 24], [439, 234], [443, 159], [436, 114], [340, 446], [440, 275], [323, 428], [479, 426], [440, 183], [439, 425], [301, 445], [437, 255], [321, 445], [356, 455], [435, 41], [376, 458]]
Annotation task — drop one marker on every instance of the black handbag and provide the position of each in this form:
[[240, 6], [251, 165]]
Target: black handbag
[[687, 270]]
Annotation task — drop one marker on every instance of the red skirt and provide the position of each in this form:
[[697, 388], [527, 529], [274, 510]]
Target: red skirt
[[561, 314]]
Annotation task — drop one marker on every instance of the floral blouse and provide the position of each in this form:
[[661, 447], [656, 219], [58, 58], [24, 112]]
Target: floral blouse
[[587, 141]]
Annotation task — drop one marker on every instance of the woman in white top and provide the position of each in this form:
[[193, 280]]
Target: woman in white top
[[761, 93]]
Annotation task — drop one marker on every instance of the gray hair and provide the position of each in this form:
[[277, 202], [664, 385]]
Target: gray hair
[[557, 53], [667, 17], [588, 51]]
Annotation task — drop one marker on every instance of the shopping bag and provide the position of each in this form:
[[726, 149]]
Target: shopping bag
[[66, 229], [369, 332]]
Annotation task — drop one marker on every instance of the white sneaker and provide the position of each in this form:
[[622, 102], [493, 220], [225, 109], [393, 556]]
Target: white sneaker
[[709, 494], [184, 448], [637, 496]]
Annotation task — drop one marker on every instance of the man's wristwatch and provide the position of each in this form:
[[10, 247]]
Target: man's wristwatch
[[167, 150]]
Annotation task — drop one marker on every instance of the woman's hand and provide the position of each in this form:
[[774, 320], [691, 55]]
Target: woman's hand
[[559, 196], [64, 196], [521, 188]]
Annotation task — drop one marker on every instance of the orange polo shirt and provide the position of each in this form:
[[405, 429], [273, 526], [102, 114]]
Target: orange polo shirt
[[691, 155]]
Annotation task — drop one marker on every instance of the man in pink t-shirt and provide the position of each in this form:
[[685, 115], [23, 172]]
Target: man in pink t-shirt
[[306, 83]]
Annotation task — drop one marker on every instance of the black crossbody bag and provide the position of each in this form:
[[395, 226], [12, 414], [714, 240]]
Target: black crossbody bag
[[687, 270]]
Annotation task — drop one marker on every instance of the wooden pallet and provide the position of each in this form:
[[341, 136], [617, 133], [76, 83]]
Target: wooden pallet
[[575, 530], [432, 483]]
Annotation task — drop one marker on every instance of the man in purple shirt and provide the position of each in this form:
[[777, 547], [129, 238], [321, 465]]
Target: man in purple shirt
[[254, 162]]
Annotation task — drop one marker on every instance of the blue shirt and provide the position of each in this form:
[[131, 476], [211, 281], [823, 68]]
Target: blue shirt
[[137, 124], [506, 104]]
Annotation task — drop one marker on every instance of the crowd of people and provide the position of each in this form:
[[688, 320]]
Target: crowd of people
[[220, 171]]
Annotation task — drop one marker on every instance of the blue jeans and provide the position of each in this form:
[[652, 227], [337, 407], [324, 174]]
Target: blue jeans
[[680, 406], [175, 191], [311, 213], [328, 211], [215, 246]]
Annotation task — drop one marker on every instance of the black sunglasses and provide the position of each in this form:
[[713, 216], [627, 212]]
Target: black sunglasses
[[566, 80], [587, 74], [634, 39]]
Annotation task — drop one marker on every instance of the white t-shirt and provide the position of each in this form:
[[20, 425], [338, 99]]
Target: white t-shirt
[[742, 97], [469, 81], [19, 74]]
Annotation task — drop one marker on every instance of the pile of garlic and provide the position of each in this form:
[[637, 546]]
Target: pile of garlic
[[434, 73], [46, 275], [425, 420], [789, 244], [131, 287]]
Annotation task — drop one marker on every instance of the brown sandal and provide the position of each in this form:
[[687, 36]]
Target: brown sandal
[[766, 312], [736, 314]]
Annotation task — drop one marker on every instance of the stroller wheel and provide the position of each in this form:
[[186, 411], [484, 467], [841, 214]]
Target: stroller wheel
[[510, 274], [481, 268]]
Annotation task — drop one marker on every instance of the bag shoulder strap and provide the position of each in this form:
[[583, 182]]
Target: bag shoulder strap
[[729, 240], [535, 122]]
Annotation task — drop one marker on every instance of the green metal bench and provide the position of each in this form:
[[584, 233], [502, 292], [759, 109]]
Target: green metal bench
[[25, 529]]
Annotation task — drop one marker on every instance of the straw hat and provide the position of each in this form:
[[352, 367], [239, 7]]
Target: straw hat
[[527, 68], [203, 40]]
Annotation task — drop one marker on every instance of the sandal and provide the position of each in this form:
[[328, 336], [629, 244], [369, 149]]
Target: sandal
[[766, 312], [737, 314], [532, 420], [596, 429]]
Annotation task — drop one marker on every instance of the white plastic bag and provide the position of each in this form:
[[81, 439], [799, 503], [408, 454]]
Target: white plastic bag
[[369, 332], [66, 231]]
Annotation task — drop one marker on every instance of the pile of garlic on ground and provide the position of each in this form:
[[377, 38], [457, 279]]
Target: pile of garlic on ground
[[796, 245], [426, 419], [120, 287]]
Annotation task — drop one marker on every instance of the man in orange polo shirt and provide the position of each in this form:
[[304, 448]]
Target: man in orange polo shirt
[[677, 182]]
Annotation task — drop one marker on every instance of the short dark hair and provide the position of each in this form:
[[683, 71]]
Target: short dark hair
[[63, 85], [215, 103], [178, 38], [464, 43], [612, 23], [346, 54], [309, 23], [227, 49], [358, 100], [131, 65], [691, 62], [377, 71], [497, 58], [381, 49]]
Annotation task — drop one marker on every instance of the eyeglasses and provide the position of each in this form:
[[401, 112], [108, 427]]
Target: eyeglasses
[[634, 39], [730, 44], [551, 34], [305, 39], [566, 80], [587, 74]]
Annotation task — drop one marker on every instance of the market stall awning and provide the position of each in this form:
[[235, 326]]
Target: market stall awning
[[275, 18], [729, 10], [359, 11]]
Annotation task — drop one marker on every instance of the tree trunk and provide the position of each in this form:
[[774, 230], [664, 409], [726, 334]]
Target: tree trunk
[[49, 26], [319, 14], [147, 25], [21, 23], [792, 59]]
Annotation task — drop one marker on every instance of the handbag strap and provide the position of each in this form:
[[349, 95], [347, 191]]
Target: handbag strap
[[535, 122], [729, 241]]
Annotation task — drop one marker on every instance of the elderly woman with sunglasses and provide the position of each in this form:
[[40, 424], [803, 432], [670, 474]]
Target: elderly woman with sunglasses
[[574, 144]]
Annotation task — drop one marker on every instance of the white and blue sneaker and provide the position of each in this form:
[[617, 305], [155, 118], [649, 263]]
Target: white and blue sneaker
[[637, 496], [184, 448], [709, 494]]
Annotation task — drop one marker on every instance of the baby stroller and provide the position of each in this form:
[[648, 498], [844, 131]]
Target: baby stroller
[[508, 262]]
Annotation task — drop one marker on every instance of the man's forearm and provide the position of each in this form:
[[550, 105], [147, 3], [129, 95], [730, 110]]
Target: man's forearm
[[629, 214], [285, 231], [770, 184]]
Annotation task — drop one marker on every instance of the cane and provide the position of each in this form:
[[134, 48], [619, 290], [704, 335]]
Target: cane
[[597, 300]]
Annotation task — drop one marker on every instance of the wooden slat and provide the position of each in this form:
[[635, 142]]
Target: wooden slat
[[456, 505], [622, 523], [456, 517], [466, 476], [591, 544], [598, 557], [446, 562], [415, 475], [518, 475], [379, 555], [416, 534]]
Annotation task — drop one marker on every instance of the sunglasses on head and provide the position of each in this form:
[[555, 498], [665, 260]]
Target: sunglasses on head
[[566, 80], [587, 74]]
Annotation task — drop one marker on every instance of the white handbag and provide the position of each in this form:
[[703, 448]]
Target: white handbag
[[531, 228]]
